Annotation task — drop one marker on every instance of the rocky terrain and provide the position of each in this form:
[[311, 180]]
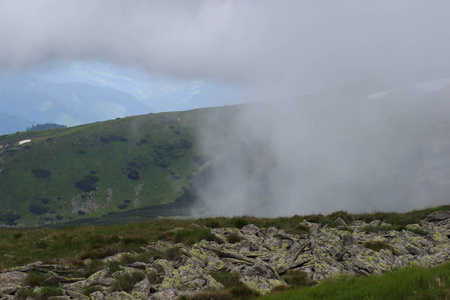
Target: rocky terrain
[[258, 256]]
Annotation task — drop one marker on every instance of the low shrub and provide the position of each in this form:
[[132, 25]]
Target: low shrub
[[26, 293], [233, 238], [85, 185], [418, 231], [45, 200], [126, 282], [17, 235], [371, 229], [233, 288], [87, 290], [122, 206], [100, 253], [35, 278], [113, 138], [242, 292], [298, 229], [348, 218], [134, 175], [377, 245], [190, 236], [38, 210], [213, 294], [41, 173], [240, 222], [296, 278], [46, 292], [10, 219], [213, 223], [42, 244], [113, 267], [173, 253], [92, 178], [85, 270]]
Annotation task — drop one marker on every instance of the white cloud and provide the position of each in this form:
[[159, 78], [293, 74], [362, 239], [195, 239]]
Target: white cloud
[[273, 48]]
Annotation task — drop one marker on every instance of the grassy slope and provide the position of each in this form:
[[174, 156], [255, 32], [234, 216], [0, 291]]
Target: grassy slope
[[408, 283], [72, 153]]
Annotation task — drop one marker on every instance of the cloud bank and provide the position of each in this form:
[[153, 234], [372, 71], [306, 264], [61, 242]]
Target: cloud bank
[[276, 49], [337, 150]]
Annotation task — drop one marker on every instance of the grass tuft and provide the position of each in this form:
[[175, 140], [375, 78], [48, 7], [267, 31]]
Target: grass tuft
[[35, 278], [296, 278], [377, 245], [233, 238], [126, 282]]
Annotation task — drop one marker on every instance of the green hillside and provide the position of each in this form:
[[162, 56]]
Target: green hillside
[[92, 170], [264, 159]]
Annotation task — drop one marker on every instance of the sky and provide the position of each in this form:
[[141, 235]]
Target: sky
[[259, 50]]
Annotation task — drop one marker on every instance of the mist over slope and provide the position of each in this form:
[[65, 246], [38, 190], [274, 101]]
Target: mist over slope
[[354, 148]]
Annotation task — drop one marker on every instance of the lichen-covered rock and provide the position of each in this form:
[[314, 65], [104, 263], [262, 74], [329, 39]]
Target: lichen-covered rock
[[141, 289], [13, 277], [96, 296], [139, 265], [25, 268], [10, 282], [75, 294], [55, 280], [260, 257], [119, 296], [115, 257], [167, 294], [8, 288], [438, 216], [260, 284]]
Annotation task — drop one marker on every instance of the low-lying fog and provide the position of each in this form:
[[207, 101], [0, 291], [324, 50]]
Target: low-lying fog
[[354, 148]]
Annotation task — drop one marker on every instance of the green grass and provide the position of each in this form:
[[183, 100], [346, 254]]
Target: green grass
[[233, 289], [377, 245], [126, 282], [74, 154], [407, 283]]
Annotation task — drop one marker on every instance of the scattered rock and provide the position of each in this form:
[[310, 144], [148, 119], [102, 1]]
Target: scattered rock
[[438, 216], [260, 259]]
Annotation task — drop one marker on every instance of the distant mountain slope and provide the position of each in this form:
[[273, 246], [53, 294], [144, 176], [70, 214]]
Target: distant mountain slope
[[9, 124], [23, 97]]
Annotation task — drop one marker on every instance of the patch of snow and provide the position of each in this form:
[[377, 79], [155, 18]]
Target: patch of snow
[[433, 85], [378, 95], [24, 141]]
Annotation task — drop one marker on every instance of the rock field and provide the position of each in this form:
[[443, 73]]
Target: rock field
[[260, 256]]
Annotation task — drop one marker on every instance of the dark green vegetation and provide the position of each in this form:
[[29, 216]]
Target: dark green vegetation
[[407, 283], [74, 244], [45, 126]]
